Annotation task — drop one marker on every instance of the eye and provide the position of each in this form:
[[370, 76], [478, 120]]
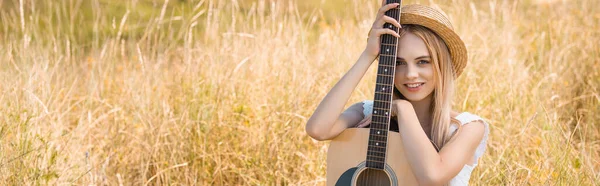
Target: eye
[[398, 62], [423, 62]]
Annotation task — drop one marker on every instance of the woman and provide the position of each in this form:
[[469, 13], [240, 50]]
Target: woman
[[429, 58]]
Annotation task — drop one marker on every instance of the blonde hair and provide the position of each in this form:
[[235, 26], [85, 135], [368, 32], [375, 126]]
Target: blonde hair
[[441, 105]]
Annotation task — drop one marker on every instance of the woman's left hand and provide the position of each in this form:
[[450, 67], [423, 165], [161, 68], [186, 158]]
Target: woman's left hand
[[397, 106]]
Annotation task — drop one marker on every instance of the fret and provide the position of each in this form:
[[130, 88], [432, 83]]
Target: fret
[[388, 38], [385, 75], [387, 65], [379, 148], [376, 154], [379, 118], [375, 165], [378, 112], [380, 115], [386, 44], [384, 93], [381, 101], [378, 135], [383, 84], [378, 123], [380, 108], [385, 79], [387, 59], [376, 159], [380, 156], [387, 49], [391, 27], [379, 132], [393, 13], [379, 126], [393, 1], [383, 97], [386, 88], [381, 104], [385, 70], [376, 148], [377, 143]]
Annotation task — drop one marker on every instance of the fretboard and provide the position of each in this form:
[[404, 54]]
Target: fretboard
[[376, 153]]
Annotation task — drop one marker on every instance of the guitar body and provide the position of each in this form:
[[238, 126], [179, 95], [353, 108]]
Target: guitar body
[[346, 161]]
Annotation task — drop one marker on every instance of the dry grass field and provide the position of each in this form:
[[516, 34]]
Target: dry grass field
[[208, 92]]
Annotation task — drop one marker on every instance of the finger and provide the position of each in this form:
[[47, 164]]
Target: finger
[[385, 8], [363, 124], [388, 19], [381, 31], [365, 121], [360, 123]]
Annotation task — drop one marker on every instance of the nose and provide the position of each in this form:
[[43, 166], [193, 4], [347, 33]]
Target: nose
[[411, 72]]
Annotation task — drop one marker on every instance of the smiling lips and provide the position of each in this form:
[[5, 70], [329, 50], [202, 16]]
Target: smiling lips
[[414, 87]]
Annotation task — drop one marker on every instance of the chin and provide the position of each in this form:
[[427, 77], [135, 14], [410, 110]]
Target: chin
[[415, 97]]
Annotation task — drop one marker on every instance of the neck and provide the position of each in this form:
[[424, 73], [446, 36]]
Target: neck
[[423, 111]]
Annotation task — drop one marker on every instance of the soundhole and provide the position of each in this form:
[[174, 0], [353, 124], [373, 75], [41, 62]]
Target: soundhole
[[373, 177]]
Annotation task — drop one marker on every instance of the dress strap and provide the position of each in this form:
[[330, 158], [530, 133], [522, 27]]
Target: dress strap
[[367, 107]]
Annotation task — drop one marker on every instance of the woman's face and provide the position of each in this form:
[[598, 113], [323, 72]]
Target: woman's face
[[414, 68]]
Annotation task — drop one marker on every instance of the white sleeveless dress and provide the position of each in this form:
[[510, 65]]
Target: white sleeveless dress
[[465, 174]]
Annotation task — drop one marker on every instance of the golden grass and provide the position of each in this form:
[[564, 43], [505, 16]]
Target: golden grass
[[218, 92]]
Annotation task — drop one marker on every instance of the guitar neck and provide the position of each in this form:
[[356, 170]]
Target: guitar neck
[[376, 152]]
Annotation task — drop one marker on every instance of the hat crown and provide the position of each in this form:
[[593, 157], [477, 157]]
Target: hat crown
[[429, 12]]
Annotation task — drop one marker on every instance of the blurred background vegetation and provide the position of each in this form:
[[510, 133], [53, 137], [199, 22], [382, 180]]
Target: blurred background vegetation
[[209, 92]]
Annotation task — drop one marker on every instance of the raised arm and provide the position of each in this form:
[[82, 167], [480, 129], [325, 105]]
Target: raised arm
[[328, 120], [429, 166]]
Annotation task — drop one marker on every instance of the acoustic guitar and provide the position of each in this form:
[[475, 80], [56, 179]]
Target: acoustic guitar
[[374, 155]]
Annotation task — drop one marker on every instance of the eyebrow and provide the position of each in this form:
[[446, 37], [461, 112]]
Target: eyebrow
[[420, 57]]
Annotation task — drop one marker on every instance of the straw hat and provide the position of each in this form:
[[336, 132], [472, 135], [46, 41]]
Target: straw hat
[[438, 23]]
